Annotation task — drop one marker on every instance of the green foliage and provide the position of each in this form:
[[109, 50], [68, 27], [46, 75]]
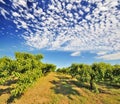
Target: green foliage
[[39, 57], [84, 75], [116, 70], [99, 70], [63, 70], [74, 70], [48, 68], [25, 81], [95, 73], [25, 69], [23, 56], [116, 74]]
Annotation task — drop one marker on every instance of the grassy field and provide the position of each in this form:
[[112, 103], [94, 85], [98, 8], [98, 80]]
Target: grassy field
[[61, 89]]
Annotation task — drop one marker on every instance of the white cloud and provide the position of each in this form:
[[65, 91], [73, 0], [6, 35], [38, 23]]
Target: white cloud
[[103, 8], [16, 14], [37, 12], [37, 41], [69, 6], [2, 1], [101, 53], [113, 56], [87, 9], [23, 24], [76, 54], [4, 13], [59, 28], [88, 17], [30, 16], [20, 2], [70, 15]]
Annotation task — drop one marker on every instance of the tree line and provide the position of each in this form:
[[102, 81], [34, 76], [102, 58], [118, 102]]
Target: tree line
[[93, 74], [24, 70]]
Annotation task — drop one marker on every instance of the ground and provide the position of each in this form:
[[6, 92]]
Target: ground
[[56, 88]]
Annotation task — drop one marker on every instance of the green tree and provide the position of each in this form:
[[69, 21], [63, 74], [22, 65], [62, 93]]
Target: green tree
[[5, 69], [84, 75], [48, 68], [64, 70], [74, 70], [116, 74]]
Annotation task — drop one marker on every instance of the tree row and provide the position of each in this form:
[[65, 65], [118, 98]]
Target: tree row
[[22, 71], [94, 74]]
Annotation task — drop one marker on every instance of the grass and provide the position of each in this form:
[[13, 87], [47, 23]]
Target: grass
[[61, 89]]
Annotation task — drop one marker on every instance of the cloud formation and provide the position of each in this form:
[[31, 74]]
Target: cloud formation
[[76, 54], [113, 56], [101, 53], [68, 25]]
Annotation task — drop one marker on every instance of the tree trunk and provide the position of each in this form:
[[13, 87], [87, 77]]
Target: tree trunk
[[91, 82]]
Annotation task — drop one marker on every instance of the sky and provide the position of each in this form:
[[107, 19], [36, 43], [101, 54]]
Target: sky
[[64, 31]]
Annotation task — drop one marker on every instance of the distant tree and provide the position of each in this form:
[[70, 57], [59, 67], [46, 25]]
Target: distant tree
[[64, 70], [116, 74], [74, 70], [84, 72], [48, 68], [99, 70], [39, 57], [108, 77], [95, 73]]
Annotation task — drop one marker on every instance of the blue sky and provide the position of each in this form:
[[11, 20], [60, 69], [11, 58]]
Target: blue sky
[[65, 31]]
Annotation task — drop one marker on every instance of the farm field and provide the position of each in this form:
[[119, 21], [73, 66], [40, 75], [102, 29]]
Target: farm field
[[59, 51], [58, 88]]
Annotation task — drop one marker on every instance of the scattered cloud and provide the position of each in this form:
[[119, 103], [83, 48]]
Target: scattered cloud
[[75, 25], [101, 53], [76, 54], [3, 12], [113, 56], [2, 1]]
